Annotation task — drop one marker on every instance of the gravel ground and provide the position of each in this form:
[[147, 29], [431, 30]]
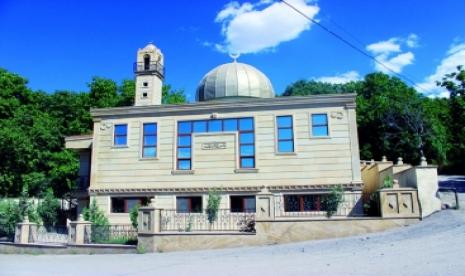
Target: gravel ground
[[435, 246]]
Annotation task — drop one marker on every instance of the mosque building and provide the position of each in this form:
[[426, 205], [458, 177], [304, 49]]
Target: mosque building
[[238, 139]]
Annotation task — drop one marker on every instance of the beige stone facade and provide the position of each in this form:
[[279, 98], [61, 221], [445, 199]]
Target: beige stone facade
[[141, 152]]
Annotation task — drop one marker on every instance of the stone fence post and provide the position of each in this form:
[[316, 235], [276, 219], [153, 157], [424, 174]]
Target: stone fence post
[[24, 230], [265, 205], [79, 231], [149, 219]]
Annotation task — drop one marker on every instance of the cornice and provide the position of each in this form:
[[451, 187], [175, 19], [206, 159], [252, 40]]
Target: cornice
[[276, 188], [227, 106]]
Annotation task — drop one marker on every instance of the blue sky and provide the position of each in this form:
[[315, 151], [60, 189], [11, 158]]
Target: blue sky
[[60, 45]]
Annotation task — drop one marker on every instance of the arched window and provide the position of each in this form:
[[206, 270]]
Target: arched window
[[146, 62]]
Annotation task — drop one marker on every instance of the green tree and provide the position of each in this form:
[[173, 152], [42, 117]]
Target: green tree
[[95, 215], [455, 83], [170, 96], [48, 208], [127, 92], [133, 215], [213, 205], [103, 92], [311, 87]]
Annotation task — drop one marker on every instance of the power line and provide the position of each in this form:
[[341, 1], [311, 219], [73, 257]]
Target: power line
[[351, 45]]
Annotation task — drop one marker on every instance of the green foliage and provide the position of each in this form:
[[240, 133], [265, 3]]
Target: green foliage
[[95, 215], [393, 119], [213, 205], [133, 215], [33, 125], [304, 88], [170, 96], [388, 182], [48, 208], [455, 84], [333, 200], [10, 215]]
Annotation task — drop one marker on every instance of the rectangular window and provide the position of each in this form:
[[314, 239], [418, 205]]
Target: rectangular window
[[191, 204], [149, 143], [304, 203], [242, 204], [320, 125], [285, 133], [125, 204], [120, 136], [244, 126]]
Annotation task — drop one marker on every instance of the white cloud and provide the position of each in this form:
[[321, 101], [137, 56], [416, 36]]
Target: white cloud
[[340, 78], [454, 57], [391, 54], [255, 27], [412, 41]]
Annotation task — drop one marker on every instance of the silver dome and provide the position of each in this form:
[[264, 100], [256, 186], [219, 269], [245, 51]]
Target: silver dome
[[234, 80]]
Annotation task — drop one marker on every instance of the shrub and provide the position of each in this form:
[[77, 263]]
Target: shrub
[[133, 215], [388, 182], [95, 215], [333, 200], [213, 205], [48, 209], [10, 215]]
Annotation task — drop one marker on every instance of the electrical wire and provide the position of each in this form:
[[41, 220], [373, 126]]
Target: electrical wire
[[351, 45]]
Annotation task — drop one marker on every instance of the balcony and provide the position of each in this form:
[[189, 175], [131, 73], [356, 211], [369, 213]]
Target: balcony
[[149, 68]]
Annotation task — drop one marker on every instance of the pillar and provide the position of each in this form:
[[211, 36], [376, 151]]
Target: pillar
[[24, 230], [78, 230]]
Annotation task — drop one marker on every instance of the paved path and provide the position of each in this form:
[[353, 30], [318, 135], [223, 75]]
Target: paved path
[[436, 246]]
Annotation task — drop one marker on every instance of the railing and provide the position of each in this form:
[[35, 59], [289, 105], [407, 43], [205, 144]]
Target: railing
[[52, 234], [226, 220], [111, 234], [352, 206], [152, 67]]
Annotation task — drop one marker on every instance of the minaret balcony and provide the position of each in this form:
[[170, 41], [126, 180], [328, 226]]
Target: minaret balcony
[[152, 68]]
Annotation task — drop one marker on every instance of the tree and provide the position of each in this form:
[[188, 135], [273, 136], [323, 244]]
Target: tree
[[170, 96], [304, 88], [213, 204], [103, 92], [455, 84], [133, 215], [95, 215], [48, 209]]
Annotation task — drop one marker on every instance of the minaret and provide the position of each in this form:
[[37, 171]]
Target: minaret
[[149, 72]]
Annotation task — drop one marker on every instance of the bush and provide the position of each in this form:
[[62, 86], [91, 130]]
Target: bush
[[333, 199], [48, 209], [95, 215], [213, 205], [133, 215], [10, 215], [388, 182]]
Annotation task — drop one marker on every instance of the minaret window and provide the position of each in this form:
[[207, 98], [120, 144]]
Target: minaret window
[[146, 62]]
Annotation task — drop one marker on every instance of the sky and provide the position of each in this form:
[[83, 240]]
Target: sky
[[61, 45]]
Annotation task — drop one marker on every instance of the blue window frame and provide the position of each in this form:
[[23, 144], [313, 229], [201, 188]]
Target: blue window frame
[[244, 126], [149, 143], [120, 135], [285, 133], [320, 125]]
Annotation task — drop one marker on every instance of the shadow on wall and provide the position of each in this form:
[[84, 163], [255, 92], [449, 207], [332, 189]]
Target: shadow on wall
[[453, 181]]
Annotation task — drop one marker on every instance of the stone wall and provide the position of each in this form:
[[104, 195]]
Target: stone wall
[[12, 248], [268, 232]]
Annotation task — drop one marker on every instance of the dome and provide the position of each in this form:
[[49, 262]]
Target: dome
[[234, 80]]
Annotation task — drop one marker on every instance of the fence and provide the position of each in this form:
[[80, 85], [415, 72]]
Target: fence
[[226, 220], [111, 234], [52, 234], [351, 206]]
